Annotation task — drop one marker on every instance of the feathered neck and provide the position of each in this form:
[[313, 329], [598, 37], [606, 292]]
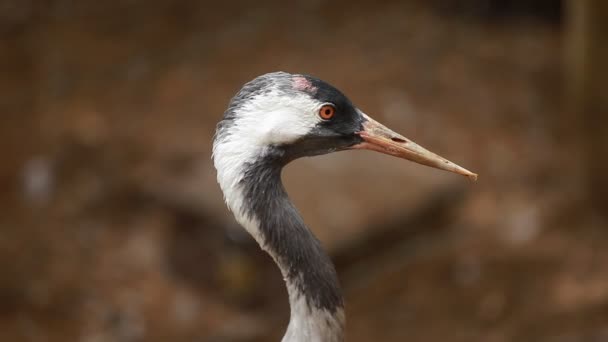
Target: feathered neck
[[255, 194]]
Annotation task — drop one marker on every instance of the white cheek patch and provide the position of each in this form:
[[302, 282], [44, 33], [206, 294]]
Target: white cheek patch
[[274, 122]]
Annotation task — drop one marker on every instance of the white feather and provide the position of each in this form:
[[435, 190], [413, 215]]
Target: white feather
[[309, 324], [273, 119]]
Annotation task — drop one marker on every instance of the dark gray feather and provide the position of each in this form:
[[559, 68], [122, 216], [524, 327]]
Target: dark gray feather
[[298, 251]]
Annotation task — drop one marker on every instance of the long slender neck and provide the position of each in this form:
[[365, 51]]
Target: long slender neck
[[267, 213]]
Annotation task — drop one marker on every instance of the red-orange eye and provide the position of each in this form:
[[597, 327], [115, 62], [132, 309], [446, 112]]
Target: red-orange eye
[[327, 112]]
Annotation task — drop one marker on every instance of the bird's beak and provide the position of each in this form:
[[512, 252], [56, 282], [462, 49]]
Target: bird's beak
[[379, 138]]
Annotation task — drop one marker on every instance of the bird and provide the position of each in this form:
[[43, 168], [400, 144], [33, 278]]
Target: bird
[[272, 120]]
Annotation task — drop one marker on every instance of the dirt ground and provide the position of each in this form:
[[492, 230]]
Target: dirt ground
[[113, 228]]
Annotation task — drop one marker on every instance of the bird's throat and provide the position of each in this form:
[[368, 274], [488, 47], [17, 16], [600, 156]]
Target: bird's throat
[[312, 283]]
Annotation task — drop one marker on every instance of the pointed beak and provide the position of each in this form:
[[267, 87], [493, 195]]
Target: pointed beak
[[379, 138]]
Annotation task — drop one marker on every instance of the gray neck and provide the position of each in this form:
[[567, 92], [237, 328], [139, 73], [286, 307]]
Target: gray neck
[[312, 284]]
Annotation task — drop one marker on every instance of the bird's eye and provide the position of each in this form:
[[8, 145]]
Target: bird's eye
[[327, 112]]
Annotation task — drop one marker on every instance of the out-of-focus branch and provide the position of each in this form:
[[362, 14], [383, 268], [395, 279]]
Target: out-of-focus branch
[[587, 49]]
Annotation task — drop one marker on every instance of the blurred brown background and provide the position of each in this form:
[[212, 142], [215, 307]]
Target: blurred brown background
[[112, 227]]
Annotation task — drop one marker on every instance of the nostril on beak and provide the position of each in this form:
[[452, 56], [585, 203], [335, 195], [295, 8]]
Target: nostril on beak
[[399, 140]]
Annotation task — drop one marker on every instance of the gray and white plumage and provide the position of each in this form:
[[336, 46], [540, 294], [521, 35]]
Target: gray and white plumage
[[271, 121], [264, 127]]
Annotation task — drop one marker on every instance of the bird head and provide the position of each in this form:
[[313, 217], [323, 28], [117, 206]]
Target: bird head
[[292, 116]]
